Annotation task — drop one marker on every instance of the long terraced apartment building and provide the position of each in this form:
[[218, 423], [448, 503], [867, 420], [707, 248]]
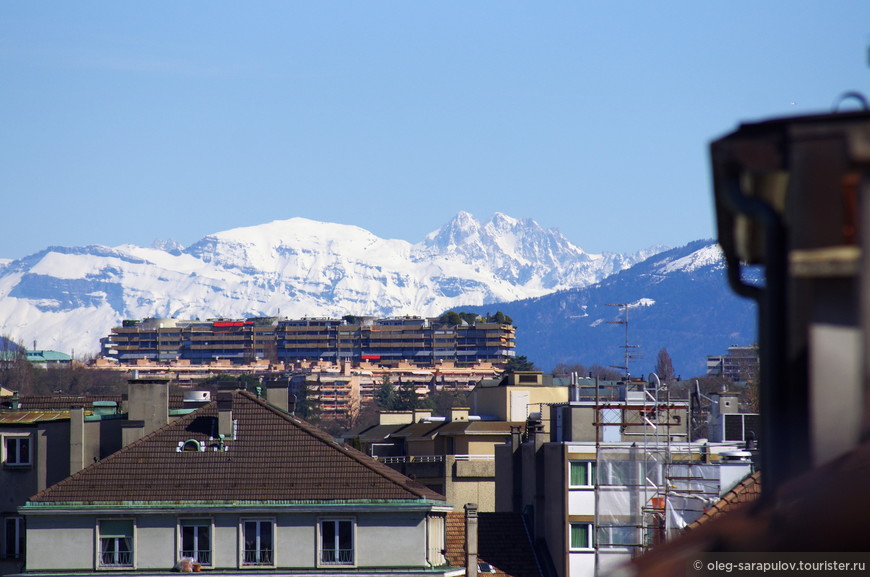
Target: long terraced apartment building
[[382, 341]]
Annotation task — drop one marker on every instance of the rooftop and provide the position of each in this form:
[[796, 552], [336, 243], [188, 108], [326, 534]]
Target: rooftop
[[272, 457]]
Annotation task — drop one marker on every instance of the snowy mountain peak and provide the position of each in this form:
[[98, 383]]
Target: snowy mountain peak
[[706, 256], [67, 298]]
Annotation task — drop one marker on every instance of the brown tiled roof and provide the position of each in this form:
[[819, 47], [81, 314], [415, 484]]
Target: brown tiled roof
[[273, 457], [502, 542], [746, 491], [43, 402]]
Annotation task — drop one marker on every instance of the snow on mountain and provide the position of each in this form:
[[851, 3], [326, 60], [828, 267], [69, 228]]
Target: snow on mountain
[[66, 298], [707, 256], [678, 299]]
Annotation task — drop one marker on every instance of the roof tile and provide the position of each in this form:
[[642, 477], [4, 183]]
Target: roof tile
[[273, 457]]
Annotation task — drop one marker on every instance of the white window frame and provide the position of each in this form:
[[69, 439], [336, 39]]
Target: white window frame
[[17, 437], [254, 564], [590, 537], [590, 474], [320, 539], [117, 553], [207, 559], [16, 522]]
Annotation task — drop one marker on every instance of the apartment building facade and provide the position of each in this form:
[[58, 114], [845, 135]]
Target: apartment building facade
[[362, 339], [612, 479]]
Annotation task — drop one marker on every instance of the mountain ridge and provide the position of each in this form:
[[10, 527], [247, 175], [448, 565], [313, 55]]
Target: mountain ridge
[[678, 300], [66, 298]]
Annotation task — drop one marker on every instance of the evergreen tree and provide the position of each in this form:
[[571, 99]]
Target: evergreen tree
[[385, 395]]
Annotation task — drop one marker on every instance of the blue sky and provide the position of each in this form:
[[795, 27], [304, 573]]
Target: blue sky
[[125, 122]]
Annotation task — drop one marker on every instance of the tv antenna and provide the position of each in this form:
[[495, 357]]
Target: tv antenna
[[627, 356]]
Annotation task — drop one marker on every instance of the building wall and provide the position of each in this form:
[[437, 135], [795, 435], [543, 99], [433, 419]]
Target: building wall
[[498, 401], [69, 542], [57, 543]]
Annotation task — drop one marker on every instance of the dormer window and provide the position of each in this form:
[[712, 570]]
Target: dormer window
[[190, 445]]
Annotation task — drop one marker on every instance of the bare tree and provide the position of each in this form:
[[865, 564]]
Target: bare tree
[[665, 366]]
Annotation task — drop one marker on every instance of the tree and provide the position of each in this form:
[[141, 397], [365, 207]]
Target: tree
[[469, 318], [665, 367], [385, 395], [520, 363], [305, 407], [605, 373], [16, 372], [564, 370], [444, 400], [451, 318], [500, 318], [406, 397]]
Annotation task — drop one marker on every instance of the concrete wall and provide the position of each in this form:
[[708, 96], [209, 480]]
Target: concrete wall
[[497, 400], [60, 543]]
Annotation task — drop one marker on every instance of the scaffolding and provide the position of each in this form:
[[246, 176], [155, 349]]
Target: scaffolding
[[650, 480]]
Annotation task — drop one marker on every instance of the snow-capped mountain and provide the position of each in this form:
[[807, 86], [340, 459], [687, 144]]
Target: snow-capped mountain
[[678, 299], [66, 298]]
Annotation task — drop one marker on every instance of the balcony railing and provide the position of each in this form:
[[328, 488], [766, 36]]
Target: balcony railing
[[257, 557], [116, 559], [336, 556], [475, 457], [433, 458], [203, 557], [412, 459]]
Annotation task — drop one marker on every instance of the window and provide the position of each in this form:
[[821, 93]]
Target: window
[[336, 542], [618, 536], [257, 542], [618, 473], [196, 540], [13, 537], [116, 543], [17, 451], [581, 536], [581, 473]]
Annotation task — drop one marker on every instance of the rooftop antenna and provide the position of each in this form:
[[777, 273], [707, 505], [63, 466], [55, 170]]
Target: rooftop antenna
[[627, 356]]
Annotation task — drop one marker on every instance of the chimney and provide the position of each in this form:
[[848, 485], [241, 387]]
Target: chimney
[[277, 394], [471, 539], [76, 439], [516, 437], [148, 401], [458, 414], [225, 414]]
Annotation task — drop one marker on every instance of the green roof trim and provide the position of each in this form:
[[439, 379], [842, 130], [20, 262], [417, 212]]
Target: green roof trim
[[156, 506]]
